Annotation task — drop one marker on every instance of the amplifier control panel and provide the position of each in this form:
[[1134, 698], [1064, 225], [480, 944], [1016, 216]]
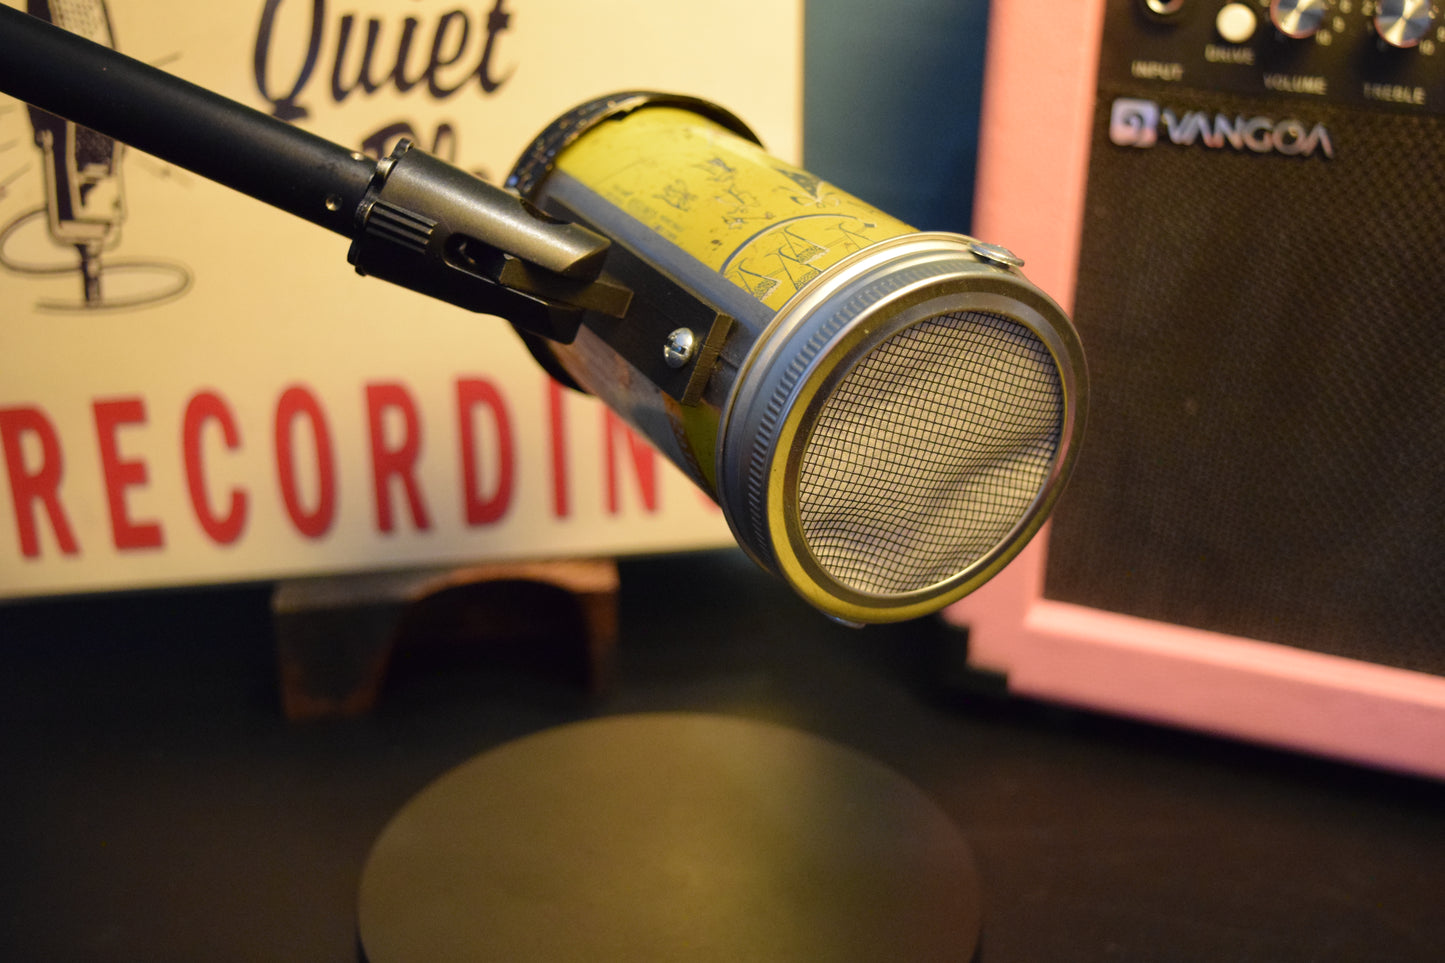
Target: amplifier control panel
[[1387, 54]]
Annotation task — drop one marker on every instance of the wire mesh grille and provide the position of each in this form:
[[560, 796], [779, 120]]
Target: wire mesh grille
[[929, 452]]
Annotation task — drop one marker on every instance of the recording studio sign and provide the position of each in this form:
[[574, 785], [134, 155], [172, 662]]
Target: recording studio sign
[[286, 464], [199, 388], [1135, 122]]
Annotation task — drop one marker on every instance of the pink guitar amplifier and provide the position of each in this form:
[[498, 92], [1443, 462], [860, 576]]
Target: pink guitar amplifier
[[1243, 206]]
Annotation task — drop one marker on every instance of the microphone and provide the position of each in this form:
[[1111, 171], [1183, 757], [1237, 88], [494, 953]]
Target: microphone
[[83, 198], [885, 417]]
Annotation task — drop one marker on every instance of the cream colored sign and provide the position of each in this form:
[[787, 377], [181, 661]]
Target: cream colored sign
[[224, 399]]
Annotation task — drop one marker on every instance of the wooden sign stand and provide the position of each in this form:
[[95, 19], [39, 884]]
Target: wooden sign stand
[[336, 636]]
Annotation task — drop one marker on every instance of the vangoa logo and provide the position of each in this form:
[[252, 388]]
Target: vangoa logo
[[1134, 123], [1137, 123]]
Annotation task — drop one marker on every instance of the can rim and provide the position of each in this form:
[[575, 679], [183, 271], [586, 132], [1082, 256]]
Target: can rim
[[812, 344]]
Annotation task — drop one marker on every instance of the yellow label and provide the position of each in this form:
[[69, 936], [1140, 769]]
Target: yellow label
[[765, 225]]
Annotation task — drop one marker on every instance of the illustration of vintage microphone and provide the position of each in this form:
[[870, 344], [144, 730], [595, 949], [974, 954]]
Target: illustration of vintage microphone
[[84, 201]]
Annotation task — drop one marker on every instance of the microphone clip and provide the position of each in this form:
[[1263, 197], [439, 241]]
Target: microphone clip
[[432, 227]]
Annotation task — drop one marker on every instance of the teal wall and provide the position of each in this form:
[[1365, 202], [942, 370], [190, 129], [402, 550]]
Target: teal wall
[[890, 103]]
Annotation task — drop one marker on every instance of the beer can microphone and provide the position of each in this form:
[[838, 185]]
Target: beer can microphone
[[885, 416]]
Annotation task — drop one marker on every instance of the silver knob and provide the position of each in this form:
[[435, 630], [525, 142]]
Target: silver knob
[[1298, 19], [1164, 8], [1403, 23]]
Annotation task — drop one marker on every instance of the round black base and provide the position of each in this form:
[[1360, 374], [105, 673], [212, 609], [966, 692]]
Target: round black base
[[670, 837]]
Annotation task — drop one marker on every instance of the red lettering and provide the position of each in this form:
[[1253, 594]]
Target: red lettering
[[42, 484], [644, 463], [297, 402], [481, 509], [394, 461], [121, 473], [561, 505], [207, 406]]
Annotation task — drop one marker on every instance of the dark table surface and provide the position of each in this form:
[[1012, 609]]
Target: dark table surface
[[156, 806]]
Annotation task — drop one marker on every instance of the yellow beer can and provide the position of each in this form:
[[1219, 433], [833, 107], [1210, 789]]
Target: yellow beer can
[[885, 416]]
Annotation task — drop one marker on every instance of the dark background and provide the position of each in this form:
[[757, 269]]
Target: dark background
[[890, 103], [155, 805]]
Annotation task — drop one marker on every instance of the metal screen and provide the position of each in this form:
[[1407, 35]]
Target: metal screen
[[929, 452]]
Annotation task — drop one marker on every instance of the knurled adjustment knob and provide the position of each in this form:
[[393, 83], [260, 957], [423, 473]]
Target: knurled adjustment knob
[[1163, 8], [1298, 19], [1403, 23]]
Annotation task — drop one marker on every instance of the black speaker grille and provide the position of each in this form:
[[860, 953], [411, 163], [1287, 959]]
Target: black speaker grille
[[1266, 448]]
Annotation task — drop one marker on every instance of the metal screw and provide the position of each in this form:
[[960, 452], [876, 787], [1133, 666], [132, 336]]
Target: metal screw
[[995, 253], [677, 349]]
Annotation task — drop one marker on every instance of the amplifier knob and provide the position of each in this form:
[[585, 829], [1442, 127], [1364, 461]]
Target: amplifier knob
[[1164, 8], [1298, 19], [1403, 23], [1235, 22]]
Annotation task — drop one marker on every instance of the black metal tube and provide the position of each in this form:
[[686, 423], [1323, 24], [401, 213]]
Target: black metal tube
[[175, 120]]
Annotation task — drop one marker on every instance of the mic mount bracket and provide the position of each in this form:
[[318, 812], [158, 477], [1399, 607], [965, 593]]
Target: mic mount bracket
[[432, 227], [660, 306]]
